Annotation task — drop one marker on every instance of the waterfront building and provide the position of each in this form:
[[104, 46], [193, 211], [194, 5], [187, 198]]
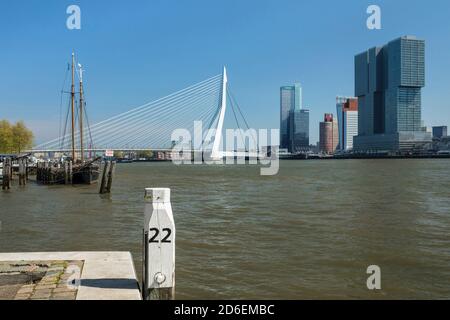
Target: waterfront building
[[388, 83], [439, 132], [294, 120], [328, 135], [347, 119], [299, 131]]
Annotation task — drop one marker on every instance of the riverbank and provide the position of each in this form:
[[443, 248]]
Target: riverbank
[[363, 156]]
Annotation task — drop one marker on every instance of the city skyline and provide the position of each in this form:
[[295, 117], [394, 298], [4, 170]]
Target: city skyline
[[137, 56]]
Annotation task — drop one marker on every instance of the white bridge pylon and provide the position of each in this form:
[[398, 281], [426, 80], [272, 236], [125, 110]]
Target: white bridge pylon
[[150, 126], [216, 153]]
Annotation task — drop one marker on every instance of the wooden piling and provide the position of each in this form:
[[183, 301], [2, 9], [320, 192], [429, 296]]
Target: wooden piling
[[26, 170], [10, 172], [105, 174], [66, 172], [6, 183], [38, 171], [21, 172], [70, 171], [11, 169], [44, 173], [110, 176]]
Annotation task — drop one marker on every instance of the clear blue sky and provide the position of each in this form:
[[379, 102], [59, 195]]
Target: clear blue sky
[[137, 51]]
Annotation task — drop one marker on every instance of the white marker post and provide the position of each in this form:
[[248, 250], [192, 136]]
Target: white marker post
[[159, 245]]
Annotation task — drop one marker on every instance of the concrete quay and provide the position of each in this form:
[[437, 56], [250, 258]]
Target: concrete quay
[[102, 276]]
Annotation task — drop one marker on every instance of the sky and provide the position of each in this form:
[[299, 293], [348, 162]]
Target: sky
[[137, 51]]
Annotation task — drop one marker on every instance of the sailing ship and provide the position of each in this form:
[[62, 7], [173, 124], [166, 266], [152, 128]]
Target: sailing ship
[[83, 170]]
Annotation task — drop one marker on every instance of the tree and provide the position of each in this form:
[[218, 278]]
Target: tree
[[5, 136], [22, 137], [14, 138], [145, 154], [118, 154]]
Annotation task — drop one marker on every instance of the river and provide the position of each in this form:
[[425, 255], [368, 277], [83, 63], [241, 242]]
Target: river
[[309, 232]]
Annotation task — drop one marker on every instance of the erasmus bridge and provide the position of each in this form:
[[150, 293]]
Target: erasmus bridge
[[150, 126]]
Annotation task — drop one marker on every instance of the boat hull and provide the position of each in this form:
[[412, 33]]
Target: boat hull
[[86, 175]]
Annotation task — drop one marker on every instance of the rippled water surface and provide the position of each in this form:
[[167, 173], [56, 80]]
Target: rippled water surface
[[309, 232]]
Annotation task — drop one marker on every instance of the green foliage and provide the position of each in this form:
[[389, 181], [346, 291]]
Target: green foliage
[[14, 138], [118, 154], [145, 154]]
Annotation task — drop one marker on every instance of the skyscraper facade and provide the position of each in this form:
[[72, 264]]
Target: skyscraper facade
[[287, 103], [294, 120], [439, 132], [388, 83], [328, 135], [299, 131], [347, 118]]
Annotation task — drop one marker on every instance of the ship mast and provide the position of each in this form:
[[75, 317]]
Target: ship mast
[[73, 107], [81, 113]]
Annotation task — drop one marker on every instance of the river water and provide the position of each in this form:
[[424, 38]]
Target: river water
[[309, 232]]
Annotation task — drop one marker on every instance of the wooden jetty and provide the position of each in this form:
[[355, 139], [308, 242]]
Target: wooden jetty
[[9, 166], [56, 172]]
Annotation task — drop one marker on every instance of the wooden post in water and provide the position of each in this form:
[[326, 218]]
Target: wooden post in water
[[159, 246], [70, 171], [26, 170], [110, 176], [24, 175], [5, 174], [21, 172], [38, 171], [6, 184], [66, 172], [46, 173], [10, 169], [19, 162], [105, 174], [10, 172]]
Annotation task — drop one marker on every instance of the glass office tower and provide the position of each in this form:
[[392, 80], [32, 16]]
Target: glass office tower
[[388, 84], [287, 102], [294, 120], [299, 131]]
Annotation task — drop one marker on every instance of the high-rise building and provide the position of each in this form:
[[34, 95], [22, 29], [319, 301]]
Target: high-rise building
[[439, 132], [299, 131], [287, 102], [328, 135], [388, 83], [294, 120], [347, 118]]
